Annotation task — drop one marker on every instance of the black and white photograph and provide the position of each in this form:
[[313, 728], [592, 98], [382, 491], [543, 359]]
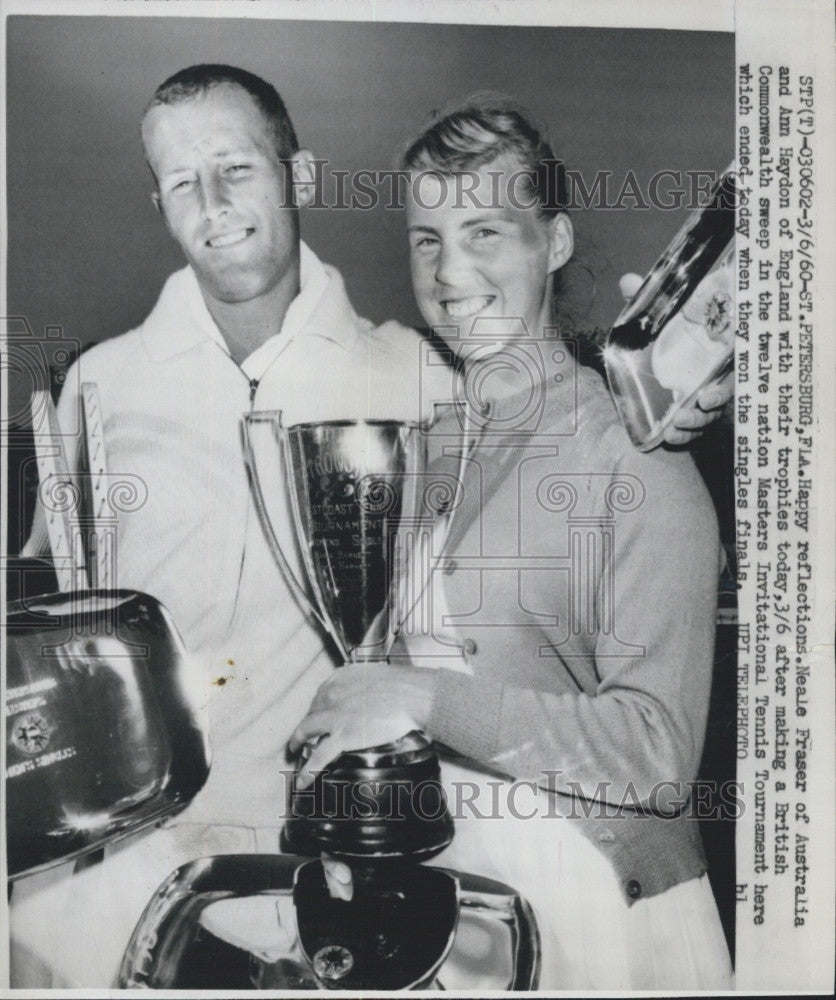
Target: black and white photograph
[[417, 498]]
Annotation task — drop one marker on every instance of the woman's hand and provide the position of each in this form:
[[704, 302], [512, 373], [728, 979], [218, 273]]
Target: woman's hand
[[708, 407], [362, 705]]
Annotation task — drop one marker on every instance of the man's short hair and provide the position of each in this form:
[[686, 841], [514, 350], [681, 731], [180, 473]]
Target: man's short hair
[[195, 80]]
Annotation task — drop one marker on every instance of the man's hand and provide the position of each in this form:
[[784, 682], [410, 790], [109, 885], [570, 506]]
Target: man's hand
[[362, 705], [691, 422]]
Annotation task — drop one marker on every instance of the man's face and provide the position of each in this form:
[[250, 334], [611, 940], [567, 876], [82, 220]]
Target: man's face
[[478, 258], [223, 192]]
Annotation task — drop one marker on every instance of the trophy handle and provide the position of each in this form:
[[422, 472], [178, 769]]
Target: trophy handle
[[273, 417]]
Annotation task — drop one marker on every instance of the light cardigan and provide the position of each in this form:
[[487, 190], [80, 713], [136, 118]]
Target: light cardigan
[[580, 581]]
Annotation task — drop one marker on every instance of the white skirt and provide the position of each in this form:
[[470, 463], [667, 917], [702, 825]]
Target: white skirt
[[590, 938]]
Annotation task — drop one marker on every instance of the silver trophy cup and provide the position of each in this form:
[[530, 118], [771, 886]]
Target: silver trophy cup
[[370, 522], [365, 509]]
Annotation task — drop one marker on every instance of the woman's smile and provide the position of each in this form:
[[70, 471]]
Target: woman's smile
[[486, 257]]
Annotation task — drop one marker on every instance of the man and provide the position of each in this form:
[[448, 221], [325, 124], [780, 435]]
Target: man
[[255, 321]]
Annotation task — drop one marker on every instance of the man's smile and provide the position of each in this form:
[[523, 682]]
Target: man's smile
[[467, 307], [229, 239]]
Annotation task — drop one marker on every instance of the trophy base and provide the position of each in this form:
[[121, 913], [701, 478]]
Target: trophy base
[[394, 933], [384, 802], [240, 922]]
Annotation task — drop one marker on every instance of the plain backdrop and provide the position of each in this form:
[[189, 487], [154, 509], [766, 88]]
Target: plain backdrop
[[88, 253]]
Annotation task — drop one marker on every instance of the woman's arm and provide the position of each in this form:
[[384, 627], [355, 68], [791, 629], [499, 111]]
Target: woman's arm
[[645, 722]]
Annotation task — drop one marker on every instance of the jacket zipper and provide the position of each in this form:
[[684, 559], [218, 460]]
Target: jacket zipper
[[253, 382]]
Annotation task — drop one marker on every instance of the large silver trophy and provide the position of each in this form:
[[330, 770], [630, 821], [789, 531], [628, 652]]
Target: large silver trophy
[[370, 524], [364, 509]]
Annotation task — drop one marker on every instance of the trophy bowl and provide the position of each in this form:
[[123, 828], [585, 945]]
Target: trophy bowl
[[369, 520], [246, 921]]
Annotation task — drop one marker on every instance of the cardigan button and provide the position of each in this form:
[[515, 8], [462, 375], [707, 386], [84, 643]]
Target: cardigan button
[[469, 646], [634, 888]]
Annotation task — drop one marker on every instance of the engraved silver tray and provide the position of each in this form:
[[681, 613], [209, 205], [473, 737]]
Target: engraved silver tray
[[103, 734]]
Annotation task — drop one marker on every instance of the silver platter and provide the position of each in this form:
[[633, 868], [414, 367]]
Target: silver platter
[[238, 922], [103, 732]]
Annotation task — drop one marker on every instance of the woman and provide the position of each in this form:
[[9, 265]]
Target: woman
[[579, 590]]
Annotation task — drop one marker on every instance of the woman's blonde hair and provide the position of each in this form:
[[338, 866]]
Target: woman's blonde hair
[[472, 133]]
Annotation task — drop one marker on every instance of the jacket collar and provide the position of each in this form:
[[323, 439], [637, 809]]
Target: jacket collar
[[180, 321]]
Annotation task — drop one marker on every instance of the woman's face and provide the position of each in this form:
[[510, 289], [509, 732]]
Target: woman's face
[[482, 256]]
